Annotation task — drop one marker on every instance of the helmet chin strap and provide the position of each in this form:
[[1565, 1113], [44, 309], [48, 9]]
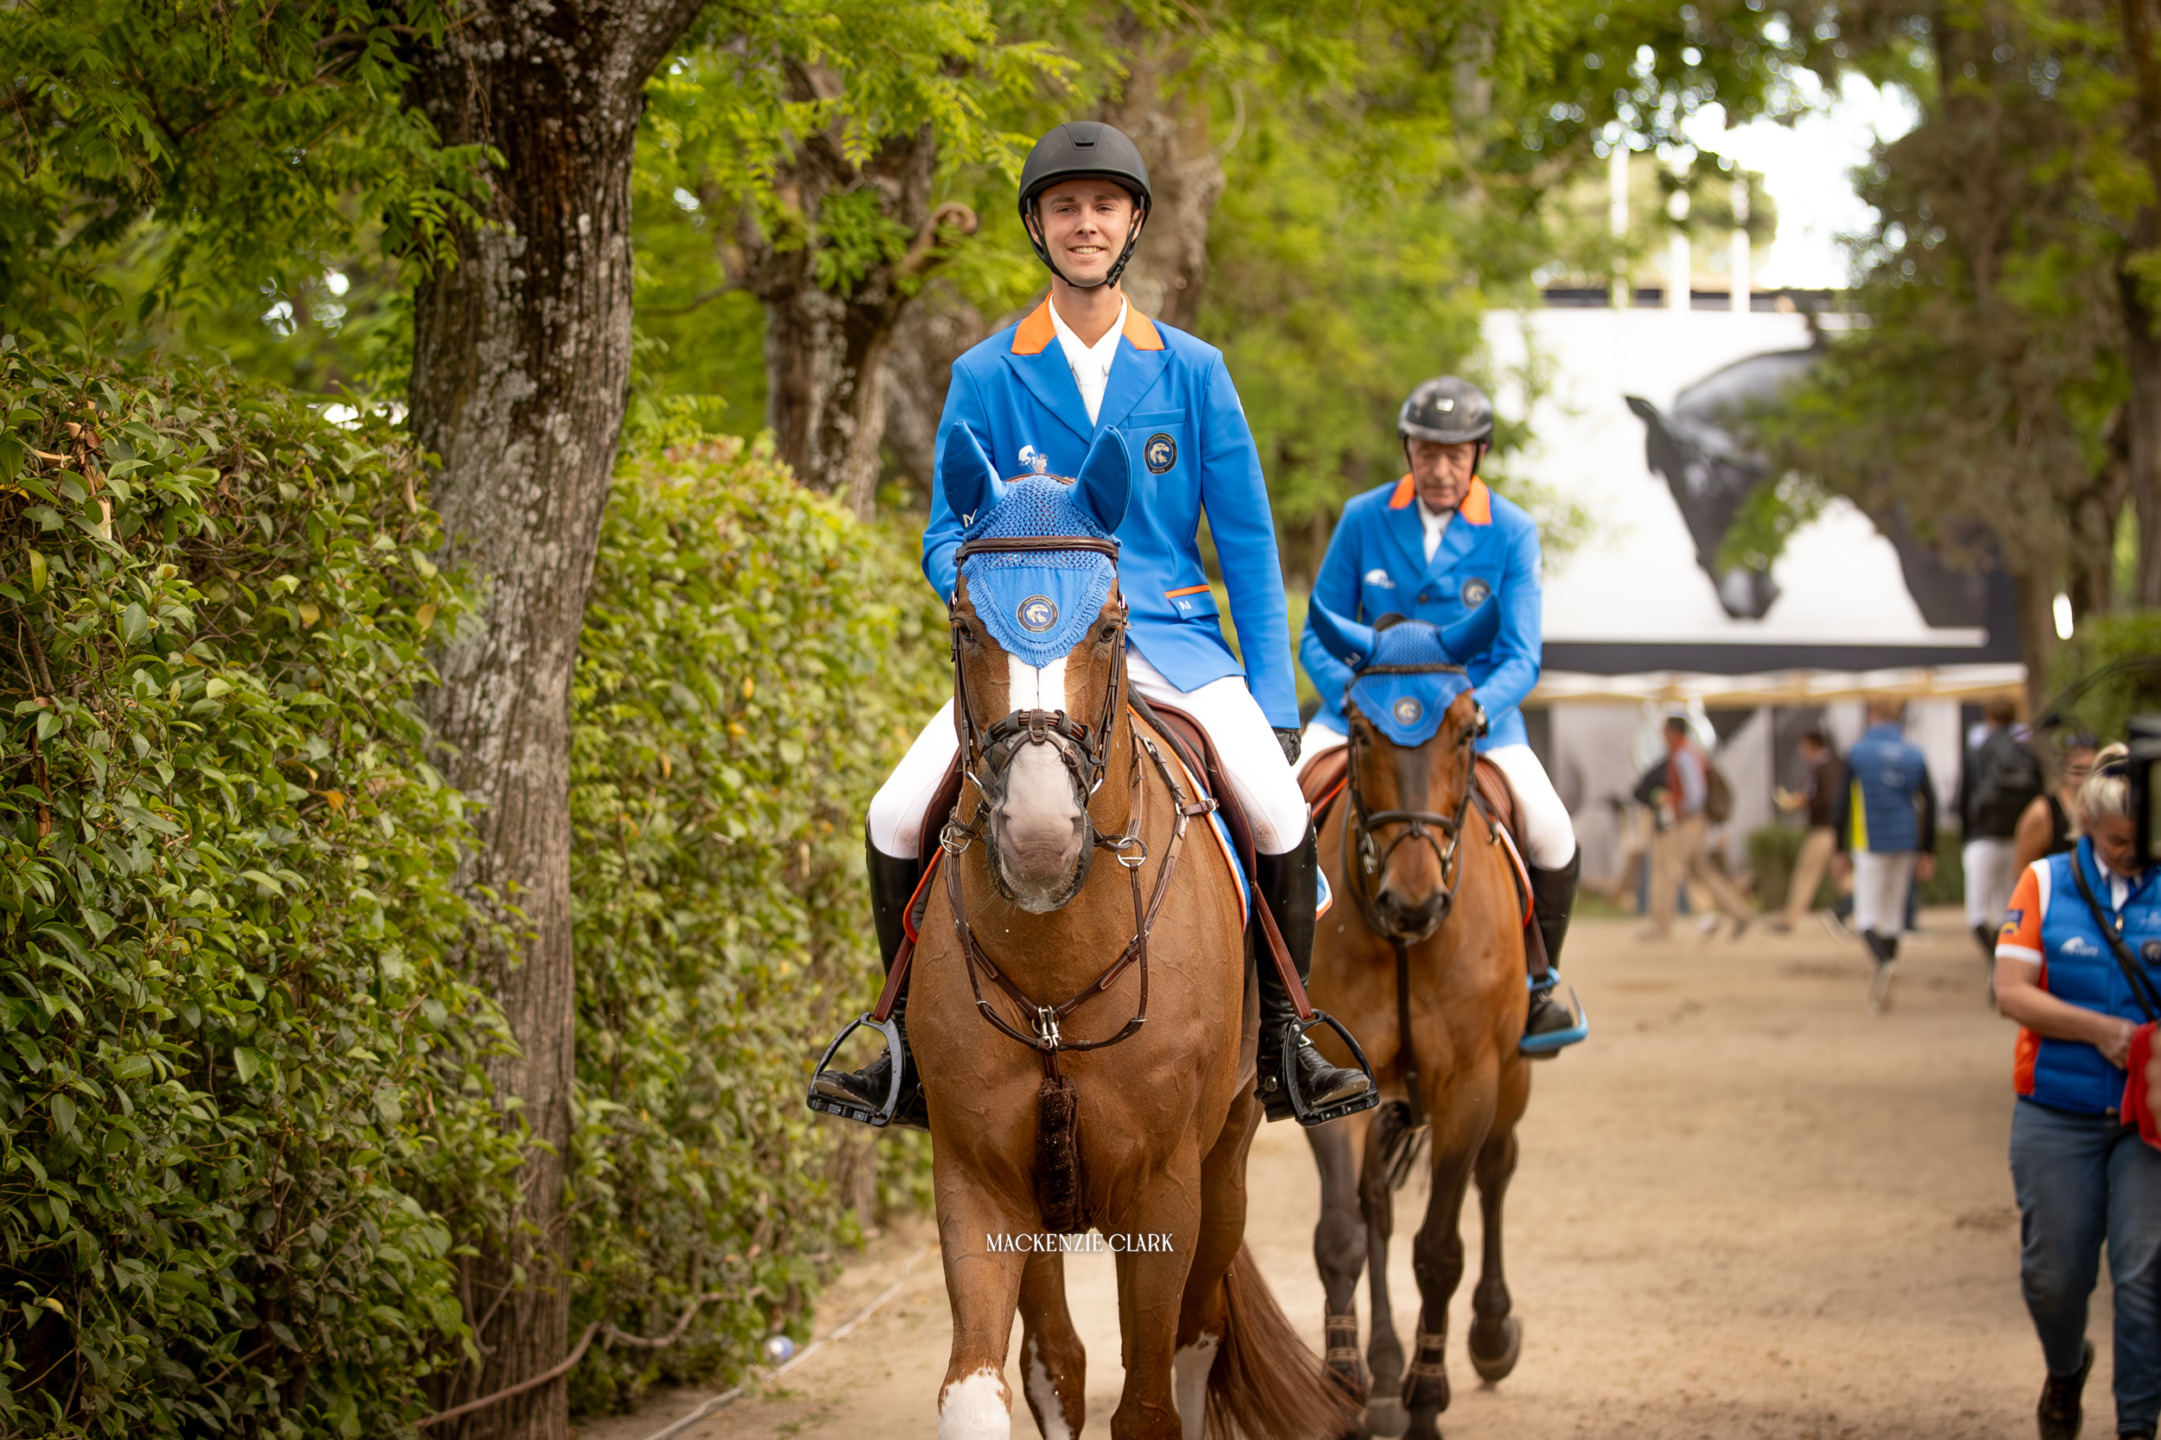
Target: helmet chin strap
[[1110, 276]]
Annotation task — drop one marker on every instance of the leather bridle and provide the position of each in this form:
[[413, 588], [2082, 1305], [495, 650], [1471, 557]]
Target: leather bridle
[[1085, 750], [1439, 833]]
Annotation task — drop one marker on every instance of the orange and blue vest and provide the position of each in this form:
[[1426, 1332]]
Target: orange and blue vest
[[2049, 925], [1376, 564], [1192, 456]]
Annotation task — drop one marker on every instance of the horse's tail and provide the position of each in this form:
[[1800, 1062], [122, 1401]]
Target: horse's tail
[[1266, 1384]]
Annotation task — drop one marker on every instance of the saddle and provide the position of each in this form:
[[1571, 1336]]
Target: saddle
[[1324, 781]]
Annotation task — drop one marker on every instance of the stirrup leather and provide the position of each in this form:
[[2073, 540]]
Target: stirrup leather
[[883, 1115]]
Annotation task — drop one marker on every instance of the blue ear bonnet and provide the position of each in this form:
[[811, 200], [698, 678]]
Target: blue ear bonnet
[[1037, 604], [1406, 708]]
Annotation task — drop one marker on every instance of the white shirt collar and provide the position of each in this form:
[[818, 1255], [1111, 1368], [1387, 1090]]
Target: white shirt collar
[[1090, 364], [1436, 523]]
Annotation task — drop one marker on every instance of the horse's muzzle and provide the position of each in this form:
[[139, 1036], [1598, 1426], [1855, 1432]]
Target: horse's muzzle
[[1038, 834], [1412, 919]]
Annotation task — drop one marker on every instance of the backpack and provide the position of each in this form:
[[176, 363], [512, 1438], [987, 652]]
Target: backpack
[[1717, 794], [2010, 778]]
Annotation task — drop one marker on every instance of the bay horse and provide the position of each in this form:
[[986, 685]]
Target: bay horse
[[1426, 967], [1084, 1032]]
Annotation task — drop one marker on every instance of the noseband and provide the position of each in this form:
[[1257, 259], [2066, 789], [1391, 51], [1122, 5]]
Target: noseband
[[1439, 833]]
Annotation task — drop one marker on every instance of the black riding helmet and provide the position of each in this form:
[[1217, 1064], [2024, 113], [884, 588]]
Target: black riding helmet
[[1447, 410], [1083, 147]]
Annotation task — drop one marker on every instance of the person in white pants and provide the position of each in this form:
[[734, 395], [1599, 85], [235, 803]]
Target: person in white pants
[[1435, 545]]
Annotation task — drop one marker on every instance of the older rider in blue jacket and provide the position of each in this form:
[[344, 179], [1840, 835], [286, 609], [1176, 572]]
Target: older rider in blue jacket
[[1034, 397], [1436, 545]]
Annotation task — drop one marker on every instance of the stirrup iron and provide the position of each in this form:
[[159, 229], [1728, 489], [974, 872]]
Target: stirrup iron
[[1286, 1074], [1541, 1046], [883, 1115]]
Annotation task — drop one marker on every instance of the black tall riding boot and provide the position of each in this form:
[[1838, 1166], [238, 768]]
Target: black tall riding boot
[[1289, 885], [892, 886], [1553, 894]]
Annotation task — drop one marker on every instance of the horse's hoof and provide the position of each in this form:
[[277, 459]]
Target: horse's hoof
[[1495, 1367], [1386, 1419]]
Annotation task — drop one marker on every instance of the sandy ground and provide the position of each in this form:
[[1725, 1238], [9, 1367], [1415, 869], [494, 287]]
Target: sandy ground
[[1746, 1208]]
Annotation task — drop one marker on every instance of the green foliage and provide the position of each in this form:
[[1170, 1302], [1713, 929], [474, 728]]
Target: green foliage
[[754, 661], [2113, 666], [206, 151], [239, 1069]]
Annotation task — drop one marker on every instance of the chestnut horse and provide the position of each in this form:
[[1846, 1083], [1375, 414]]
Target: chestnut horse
[[1053, 1107], [1427, 870]]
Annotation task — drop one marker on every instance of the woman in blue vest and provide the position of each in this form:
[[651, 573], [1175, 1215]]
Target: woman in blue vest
[[1033, 397], [1436, 545], [2082, 1175]]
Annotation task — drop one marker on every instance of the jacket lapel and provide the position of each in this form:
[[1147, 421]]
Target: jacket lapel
[[1473, 518], [1406, 529], [1141, 361], [1037, 358]]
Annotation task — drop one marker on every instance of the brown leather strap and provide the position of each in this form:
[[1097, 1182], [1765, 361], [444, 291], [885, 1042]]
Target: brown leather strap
[[895, 978], [1280, 953]]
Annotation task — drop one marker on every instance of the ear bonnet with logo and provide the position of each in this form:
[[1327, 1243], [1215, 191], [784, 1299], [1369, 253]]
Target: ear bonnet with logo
[[1037, 604], [1407, 675]]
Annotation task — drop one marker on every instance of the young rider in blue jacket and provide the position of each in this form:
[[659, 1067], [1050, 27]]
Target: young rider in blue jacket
[[1435, 545], [1033, 397]]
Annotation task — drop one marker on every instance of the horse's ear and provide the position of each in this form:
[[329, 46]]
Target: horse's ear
[[1473, 634], [1347, 640], [1105, 482], [965, 472]]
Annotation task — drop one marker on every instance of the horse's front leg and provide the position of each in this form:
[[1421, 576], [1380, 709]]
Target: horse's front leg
[[1496, 1335], [1155, 1234], [982, 1282], [1053, 1364], [1385, 1415], [1339, 1243], [1437, 1256]]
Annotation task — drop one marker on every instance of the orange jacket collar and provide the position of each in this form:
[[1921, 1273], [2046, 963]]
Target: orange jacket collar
[[1035, 334], [1477, 506]]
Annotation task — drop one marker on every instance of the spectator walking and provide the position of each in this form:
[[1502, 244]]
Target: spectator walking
[[1999, 778], [1825, 776], [2050, 824], [1886, 825], [1683, 804], [2072, 970]]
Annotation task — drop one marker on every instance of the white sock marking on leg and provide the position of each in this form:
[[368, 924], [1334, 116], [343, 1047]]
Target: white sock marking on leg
[[974, 1407], [1190, 1366], [1045, 1396]]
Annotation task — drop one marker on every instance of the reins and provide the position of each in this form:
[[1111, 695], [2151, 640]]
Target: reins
[[1085, 751]]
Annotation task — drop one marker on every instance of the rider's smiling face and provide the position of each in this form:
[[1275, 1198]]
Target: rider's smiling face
[[1442, 473], [1085, 225]]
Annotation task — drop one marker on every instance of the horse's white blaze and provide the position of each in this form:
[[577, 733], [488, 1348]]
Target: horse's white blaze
[[1035, 687], [1189, 1370], [1045, 1397], [974, 1408]]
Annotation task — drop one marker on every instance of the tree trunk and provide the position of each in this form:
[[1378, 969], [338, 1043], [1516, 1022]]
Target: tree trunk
[[521, 363], [825, 347], [2036, 635], [2143, 347], [936, 330], [1185, 174]]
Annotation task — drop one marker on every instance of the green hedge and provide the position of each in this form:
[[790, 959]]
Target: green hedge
[[236, 1061], [753, 663]]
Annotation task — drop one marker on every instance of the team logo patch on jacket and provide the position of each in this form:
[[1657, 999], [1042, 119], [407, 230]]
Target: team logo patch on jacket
[[1038, 614], [1380, 579], [2152, 952], [1161, 452], [1475, 591], [1034, 461]]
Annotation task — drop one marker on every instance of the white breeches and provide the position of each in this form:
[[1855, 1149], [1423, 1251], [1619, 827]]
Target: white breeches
[[1251, 756], [1545, 832], [1881, 879]]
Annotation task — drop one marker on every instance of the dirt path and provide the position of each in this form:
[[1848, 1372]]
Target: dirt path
[[1746, 1208]]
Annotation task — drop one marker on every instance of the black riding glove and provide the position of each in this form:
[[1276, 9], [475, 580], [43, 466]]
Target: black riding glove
[[1290, 740]]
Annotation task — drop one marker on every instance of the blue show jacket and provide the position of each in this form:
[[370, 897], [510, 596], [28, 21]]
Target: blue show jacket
[[2078, 968], [1376, 563], [1192, 454], [1889, 803]]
